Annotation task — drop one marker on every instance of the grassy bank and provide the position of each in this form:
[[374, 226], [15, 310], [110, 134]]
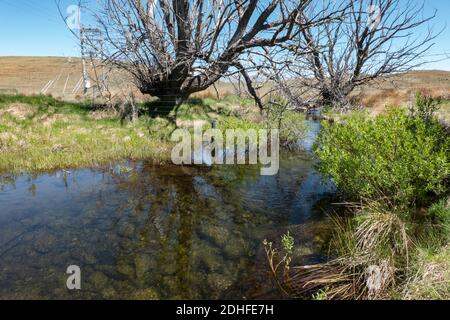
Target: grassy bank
[[392, 171], [40, 133]]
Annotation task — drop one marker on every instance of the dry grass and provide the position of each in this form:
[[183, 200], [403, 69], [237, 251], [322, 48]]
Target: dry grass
[[432, 279], [29, 75], [372, 256], [401, 90]]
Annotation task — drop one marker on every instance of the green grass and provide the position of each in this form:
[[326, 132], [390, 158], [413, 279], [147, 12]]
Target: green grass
[[39, 133], [431, 276]]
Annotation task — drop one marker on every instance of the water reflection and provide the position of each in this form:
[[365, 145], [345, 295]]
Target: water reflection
[[153, 232]]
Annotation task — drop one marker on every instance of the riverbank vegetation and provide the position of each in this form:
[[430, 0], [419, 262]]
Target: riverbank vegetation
[[393, 241], [40, 133]]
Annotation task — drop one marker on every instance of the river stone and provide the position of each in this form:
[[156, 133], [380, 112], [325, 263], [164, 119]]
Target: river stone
[[88, 258], [43, 242], [98, 280], [125, 269], [146, 294], [127, 230], [224, 212], [209, 256], [302, 251], [236, 247], [219, 282], [217, 234], [109, 293], [143, 263]]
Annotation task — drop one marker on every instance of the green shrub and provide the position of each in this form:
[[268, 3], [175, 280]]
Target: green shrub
[[434, 232], [440, 211], [238, 123], [395, 157], [293, 128], [291, 124], [425, 107]]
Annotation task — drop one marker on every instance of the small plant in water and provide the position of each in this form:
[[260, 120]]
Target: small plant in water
[[287, 243], [121, 169]]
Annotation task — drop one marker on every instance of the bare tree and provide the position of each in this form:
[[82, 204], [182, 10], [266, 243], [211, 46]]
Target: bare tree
[[373, 39], [176, 48]]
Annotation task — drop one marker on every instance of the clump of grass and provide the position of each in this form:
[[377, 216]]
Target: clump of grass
[[362, 268], [375, 254], [429, 277]]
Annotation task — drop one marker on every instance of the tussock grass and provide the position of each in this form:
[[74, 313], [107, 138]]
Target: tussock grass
[[376, 254]]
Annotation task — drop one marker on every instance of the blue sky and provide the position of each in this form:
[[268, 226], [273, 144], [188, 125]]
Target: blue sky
[[35, 28]]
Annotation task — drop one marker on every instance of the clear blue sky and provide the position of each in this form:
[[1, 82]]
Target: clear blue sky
[[35, 28]]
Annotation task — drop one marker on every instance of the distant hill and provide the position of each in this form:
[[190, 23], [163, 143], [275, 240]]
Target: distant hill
[[29, 75], [401, 89]]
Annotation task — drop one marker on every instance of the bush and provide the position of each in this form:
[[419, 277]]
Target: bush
[[395, 157], [291, 124], [397, 165], [425, 107], [293, 128]]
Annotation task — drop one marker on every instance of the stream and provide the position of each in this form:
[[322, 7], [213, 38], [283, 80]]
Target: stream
[[158, 232]]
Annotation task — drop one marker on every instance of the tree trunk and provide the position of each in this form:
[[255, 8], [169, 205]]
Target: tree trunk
[[336, 98], [169, 98], [168, 103]]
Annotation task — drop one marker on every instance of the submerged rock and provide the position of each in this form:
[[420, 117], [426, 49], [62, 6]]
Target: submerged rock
[[237, 247], [208, 256], [125, 269], [99, 280], [127, 230], [109, 293], [218, 235], [43, 242], [143, 263], [146, 294], [219, 282]]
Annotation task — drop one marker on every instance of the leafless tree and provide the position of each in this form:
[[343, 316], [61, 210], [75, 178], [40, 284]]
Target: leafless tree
[[373, 39], [174, 48]]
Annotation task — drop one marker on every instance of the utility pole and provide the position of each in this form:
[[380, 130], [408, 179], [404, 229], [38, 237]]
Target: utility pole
[[91, 42], [83, 44]]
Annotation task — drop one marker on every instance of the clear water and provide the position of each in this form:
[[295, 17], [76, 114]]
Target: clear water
[[156, 232]]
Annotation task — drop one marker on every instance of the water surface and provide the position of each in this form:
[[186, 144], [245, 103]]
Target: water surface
[[155, 232]]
